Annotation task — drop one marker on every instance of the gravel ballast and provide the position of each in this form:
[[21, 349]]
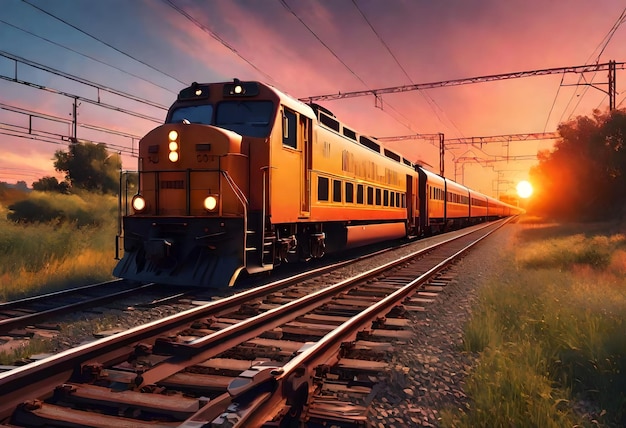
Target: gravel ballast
[[427, 374]]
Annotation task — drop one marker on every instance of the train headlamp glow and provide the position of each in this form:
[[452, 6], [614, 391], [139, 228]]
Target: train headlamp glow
[[139, 203], [173, 146], [210, 203], [198, 92], [238, 89]]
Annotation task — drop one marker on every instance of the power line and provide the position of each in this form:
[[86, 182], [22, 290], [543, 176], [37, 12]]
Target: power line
[[86, 56], [55, 138], [215, 36], [77, 79], [104, 43], [607, 38], [290, 10], [429, 100]]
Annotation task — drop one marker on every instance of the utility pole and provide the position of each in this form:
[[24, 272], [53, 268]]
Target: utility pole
[[74, 138], [612, 85], [442, 152]]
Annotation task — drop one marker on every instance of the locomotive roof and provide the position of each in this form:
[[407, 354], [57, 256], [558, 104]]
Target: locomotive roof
[[291, 102]]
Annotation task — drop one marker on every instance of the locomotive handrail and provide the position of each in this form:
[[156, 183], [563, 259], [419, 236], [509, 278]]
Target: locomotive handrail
[[244, 203], [236, 189]]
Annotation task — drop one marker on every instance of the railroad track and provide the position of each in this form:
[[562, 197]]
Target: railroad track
[[18, 313], [43, 315], [239, 361]]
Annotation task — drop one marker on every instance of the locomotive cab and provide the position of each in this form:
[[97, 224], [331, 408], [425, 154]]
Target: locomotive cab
[[208, 190]]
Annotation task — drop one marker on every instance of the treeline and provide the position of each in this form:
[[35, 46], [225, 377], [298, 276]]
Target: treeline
[[583, 178], [86, 166], [89, 169]]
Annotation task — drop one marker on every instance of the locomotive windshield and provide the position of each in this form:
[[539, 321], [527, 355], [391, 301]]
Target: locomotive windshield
[[251, 118], [195, 114], [248, 118]]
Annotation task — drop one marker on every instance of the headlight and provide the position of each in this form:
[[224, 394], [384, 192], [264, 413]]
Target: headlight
[[139, 203], [173, 145], [210, 203]]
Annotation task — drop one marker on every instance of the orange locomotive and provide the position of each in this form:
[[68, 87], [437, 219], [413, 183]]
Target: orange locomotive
[[243, 177]]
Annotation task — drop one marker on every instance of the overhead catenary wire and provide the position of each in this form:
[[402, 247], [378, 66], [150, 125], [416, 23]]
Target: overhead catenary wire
[[213, 34], [429, 99], [601, 47], [86, 56], [76, 79], [104, 43], [290, 10]]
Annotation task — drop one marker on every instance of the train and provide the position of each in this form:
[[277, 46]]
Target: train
[[242, 177]]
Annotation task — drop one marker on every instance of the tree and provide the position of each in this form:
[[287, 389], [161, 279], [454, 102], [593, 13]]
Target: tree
[[89, 166], [584, 176], [51, 184]]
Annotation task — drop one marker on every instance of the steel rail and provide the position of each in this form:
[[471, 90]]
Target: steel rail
[[15, 322], [328, 347], [31, 379]]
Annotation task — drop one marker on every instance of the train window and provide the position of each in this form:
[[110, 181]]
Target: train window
[[392, 199], [403, 200], [349, 193], [359, 194], [369, 143], [370, 196], [330, 122], [378, 197], [392, 155], [322, 188], [397, 199], [336, 190], [289, 129], [249, 118], [195, 114], [386, 198], [349, 133]]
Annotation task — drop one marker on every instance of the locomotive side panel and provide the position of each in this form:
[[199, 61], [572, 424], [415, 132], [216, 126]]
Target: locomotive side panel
[[286, 173], [457, 201], [352, 183]]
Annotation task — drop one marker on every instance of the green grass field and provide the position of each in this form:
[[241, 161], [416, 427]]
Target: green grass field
[[41, 257], [549, 333]]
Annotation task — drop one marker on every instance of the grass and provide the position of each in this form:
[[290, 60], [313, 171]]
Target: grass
[[42, 257], [550, 335]]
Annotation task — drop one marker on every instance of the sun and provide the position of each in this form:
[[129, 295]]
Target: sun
[[524, 189]]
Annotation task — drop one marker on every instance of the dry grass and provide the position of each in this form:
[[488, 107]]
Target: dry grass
[[549, 334], [50, 256]]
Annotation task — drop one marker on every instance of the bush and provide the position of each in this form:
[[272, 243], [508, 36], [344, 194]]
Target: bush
[[43, 207]]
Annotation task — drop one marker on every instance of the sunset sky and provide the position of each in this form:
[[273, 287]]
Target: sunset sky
[[150, 49]]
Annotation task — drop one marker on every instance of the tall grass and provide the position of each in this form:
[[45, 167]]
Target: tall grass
[[74, 250], [550, 336]]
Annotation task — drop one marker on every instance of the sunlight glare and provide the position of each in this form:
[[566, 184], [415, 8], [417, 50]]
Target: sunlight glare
[[524, 189]]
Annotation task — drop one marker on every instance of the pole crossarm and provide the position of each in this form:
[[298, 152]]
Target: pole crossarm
[[456, 82], [495, 159], [478, 140]]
